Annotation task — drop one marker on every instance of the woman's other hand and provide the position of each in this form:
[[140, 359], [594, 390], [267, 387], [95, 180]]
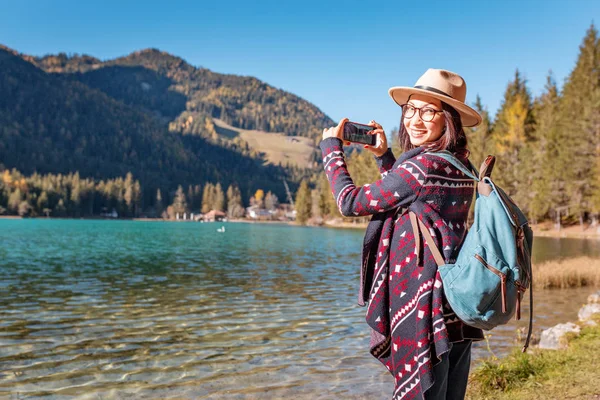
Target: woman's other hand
[[336, 131], [381, 145]]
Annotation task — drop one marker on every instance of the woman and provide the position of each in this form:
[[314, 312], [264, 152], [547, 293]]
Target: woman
[[414, 332]]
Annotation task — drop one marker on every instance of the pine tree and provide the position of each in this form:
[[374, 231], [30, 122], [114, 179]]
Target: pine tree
[[24, 208], [120, 196], [137, 198], [394, 141], [363, 168], [190, 197], [547, 187], [158, 205], [179, 202], [129, 196], [42, 202], [235, 209], [60, 209], [207, 198], [479, 138], [219, 198], [595, 182], [271, 201], [303, 203], [580, 124], [75, 197], [197, 205], [230, 194], [14, 200], [315, 211], [327, 205]]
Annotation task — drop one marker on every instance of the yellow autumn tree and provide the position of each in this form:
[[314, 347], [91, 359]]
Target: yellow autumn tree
[[259, 196], [511, 135], [7, 178]]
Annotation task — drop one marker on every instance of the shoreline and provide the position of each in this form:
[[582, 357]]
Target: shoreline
[[539, 230], [573, 231]]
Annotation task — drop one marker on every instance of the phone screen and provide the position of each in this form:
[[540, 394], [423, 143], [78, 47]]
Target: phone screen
[[359, 133]]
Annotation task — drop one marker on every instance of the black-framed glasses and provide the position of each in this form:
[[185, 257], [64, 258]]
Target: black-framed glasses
[[427, 114]]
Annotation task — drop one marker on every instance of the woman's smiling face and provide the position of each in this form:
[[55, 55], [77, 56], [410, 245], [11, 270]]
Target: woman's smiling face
[[419, 131]]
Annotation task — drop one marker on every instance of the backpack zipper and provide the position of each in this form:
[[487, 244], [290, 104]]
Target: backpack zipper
[[520, 291], [502, 280]]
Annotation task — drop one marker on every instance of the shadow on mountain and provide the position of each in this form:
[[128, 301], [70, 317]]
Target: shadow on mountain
[[226, 132], [137, 86]]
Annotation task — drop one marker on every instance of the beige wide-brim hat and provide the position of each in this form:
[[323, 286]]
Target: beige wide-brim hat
[[443, 85]]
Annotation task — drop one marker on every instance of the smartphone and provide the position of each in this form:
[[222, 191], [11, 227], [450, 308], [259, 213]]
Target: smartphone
[[359, 133]]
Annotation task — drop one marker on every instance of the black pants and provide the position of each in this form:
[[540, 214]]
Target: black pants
[[451, 374]]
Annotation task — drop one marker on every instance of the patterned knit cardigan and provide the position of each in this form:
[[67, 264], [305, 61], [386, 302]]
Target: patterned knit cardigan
[[407, 311]]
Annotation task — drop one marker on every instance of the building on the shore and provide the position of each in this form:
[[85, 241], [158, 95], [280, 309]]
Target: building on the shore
[[106, 214], [286, 212], [214, 215], [283, 212], [255, 212]]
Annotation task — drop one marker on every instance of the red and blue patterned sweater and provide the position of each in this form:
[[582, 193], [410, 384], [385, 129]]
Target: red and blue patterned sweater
[[411, 322]]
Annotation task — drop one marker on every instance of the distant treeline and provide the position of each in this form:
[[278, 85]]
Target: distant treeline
[[72, 196], [67, 195]]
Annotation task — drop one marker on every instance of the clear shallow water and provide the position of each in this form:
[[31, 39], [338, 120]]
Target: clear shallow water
[[122, 309]]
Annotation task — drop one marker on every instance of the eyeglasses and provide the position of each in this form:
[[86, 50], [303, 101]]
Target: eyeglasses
[[427, 114]]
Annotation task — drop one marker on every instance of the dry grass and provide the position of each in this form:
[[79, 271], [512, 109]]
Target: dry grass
[[542, 374], [278, 148], [571, 273]]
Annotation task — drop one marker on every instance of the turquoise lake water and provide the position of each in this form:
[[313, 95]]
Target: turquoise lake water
[[128, 309]]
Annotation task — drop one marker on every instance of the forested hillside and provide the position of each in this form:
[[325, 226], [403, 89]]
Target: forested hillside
[[51, 123], [171, 87]]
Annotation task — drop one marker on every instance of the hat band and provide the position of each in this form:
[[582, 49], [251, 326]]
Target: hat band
[[432, 89]]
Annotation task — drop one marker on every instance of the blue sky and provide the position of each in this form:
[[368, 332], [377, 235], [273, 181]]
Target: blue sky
[[341, 56]]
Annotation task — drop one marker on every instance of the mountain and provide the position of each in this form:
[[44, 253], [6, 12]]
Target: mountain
[[172, 88], [95, 120]]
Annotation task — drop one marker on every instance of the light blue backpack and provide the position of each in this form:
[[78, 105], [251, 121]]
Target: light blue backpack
[[493, 268]]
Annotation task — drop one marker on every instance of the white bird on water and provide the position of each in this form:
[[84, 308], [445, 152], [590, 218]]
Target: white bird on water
[[221, 229]]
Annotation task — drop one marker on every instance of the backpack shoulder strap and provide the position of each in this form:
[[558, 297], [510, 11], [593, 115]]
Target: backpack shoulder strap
[[451, 158], [419, 229]]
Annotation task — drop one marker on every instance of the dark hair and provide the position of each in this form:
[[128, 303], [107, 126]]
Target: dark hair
[[453, 138]]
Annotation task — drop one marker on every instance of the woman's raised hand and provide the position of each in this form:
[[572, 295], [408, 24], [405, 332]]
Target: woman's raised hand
[[381, 145], [336, 131]]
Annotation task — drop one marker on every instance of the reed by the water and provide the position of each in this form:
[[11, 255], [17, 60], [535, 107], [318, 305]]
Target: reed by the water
[[569, 273]]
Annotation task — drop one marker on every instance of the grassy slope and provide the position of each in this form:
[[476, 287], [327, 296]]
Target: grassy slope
[[278, 148], [573, 373]]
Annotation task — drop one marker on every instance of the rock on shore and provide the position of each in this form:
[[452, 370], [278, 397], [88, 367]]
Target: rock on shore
[[594, 298], [553, 338], [586, 312]]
